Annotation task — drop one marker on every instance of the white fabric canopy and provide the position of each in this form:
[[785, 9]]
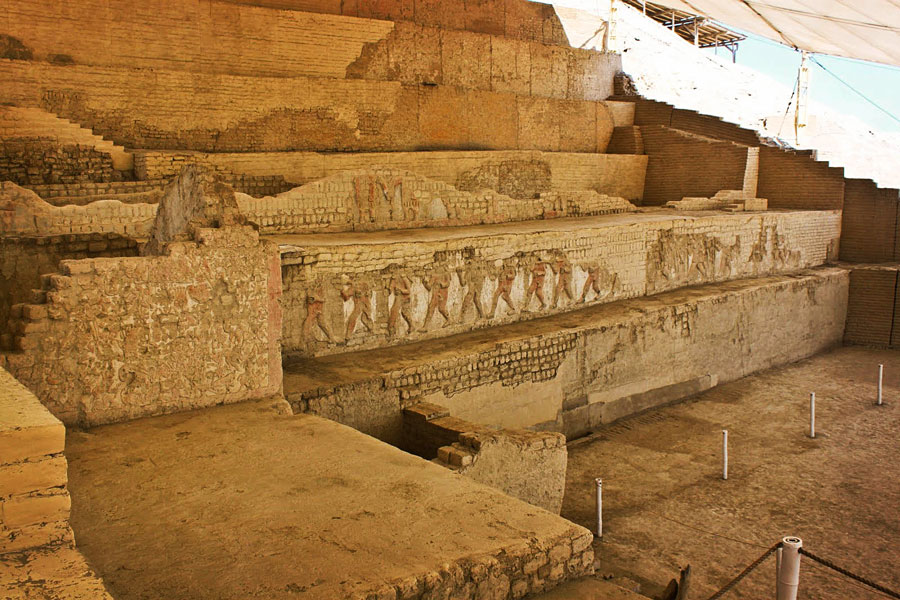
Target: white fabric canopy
[[863, 29]]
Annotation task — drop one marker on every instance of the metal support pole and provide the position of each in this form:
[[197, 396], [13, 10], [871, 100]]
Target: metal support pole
[[812, 414], [880, 379], [724, 454], [696, 33], [789, 569], [599, 507], [644, 6]]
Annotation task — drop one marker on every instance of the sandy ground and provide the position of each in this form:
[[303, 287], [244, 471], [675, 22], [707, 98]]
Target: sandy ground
[[666, 505], [244, 501]]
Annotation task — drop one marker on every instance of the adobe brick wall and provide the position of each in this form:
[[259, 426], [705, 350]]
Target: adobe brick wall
[[209, 112], [572, 373], [513, 173], [371, 292], [684, 165], [651, 112], [34, 500], [25, 259], [121, 338], [515, 19], [869, 227], [872, 307], [37, 161], [796, 180], [206, 36]]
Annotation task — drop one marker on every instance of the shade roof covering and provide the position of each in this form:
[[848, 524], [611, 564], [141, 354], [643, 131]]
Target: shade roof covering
[[687, 24], [862, 29]]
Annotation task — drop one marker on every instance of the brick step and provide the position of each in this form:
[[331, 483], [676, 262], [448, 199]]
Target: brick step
[[17, 122]]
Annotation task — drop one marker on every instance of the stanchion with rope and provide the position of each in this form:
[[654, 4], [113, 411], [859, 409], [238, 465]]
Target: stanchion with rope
[[827, 563], [745, 572]]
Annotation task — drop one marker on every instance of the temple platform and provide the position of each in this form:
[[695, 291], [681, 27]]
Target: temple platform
[[248, 501]]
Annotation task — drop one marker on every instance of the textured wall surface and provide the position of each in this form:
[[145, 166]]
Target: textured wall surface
[[121, 338], [374, 200], [373, 290], [26, 259], [572, 372], [794, 180], [872, 307], [205, 36], [871, 220], [23, 213], [34, 500], [214, 112], [520, 174]]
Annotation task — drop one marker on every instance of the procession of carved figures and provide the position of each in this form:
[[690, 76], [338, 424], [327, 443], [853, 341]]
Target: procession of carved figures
[[452, 292]]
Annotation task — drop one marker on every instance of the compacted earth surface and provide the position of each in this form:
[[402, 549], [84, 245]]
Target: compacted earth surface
[[666, 504]]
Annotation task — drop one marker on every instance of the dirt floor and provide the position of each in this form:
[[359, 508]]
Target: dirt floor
[[666, 504], [247, 501]]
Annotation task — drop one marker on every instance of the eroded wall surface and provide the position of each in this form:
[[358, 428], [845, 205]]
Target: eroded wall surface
[[574, 371], [365, 292], [120, 338]]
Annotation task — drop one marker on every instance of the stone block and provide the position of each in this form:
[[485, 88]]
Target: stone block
[[25, 477], [28, 510]]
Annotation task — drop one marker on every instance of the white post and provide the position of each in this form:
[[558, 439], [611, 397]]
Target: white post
[[599, 507], [812, 414], [800, 114], [880, 379], [724, 454], [789, 569]]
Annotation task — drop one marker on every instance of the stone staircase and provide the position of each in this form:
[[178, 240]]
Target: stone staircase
[[29, 317], [28, 123]]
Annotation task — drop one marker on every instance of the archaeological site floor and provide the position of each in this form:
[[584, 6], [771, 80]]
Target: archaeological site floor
[[666, 505], [247, 501]]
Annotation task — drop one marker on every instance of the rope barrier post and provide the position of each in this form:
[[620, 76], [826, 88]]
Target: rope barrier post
[[880, 379], [812, 414], [778, 553], [724, 454], [789, 569], [599, 507]]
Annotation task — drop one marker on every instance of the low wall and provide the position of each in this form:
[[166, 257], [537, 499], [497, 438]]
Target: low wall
[[380, 199], [527, 465], [229, 113], [520, 174], [343, 292], [120, 338], [26, 259], [23, 213], [571, 373], [34, 500], [35, 162]]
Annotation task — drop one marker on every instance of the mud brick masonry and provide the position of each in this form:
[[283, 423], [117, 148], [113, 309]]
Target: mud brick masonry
[[434, 223]]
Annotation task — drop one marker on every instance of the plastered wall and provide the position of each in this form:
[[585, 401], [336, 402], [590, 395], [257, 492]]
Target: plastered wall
[[570, 375], [371, 292], [520, 174], [120, 338]]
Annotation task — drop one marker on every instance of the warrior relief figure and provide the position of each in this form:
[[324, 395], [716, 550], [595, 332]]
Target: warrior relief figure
[[505, 280], [472, 279], [562, 269], [362, 306], [596, 280], [315, 314], [438, 285], [399, 286], [536, 286]]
